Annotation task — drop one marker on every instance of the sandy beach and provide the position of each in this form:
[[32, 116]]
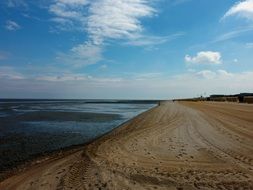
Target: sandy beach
[[177, 145]]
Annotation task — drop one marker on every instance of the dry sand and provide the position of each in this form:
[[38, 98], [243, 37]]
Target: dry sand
[[187, 145]]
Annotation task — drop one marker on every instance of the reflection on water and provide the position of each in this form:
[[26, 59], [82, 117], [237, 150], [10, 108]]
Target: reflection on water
[[33, 127]]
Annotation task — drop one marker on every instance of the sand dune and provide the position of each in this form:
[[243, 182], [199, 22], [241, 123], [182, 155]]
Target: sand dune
[[188, 145]]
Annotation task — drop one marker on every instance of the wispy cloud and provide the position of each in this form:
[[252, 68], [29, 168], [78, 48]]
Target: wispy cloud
[[78, 78], [243, 9], [69, 15], [249, 45], [16, 3], [12, 26], [144, 76], [153, 40], [10, 73], [62, 78], [233, 34], [117, 19], [82, 55], [204, 57], [208, 74], [103, 67], [104, 21]]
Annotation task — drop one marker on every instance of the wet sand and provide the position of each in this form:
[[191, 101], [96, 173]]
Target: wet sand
[[33, 133], [186, 145]]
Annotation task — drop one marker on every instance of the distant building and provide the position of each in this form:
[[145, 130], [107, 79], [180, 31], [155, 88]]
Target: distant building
[[242, 98]]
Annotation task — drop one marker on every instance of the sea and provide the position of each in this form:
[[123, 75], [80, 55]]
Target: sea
[[29, 127]]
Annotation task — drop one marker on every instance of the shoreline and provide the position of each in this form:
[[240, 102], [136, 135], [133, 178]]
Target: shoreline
[[186, 145], [56, 154], [39, 159]]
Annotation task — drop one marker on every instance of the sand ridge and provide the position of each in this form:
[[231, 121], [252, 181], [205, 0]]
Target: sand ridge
[[186, 145]]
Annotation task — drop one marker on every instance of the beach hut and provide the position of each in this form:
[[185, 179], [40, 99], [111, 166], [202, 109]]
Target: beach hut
[[248, 99]]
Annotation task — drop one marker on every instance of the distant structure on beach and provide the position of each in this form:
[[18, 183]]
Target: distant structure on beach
[[241, 98]]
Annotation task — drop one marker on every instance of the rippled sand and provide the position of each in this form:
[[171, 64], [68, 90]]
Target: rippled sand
[[184, 145]]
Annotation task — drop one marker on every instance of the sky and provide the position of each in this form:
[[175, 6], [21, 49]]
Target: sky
[[125, 49]]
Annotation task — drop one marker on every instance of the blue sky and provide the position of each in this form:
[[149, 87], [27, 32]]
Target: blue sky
[[137, 49]]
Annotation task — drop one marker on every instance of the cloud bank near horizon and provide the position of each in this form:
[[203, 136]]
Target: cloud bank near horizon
[[138, 86]]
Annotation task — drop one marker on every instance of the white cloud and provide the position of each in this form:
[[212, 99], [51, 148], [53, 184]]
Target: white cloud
[[82, 55], [86, 50], [117, 19], [103, 20], [66, 9], [11, 25], [205, 57], [243, 9], [69, 14]]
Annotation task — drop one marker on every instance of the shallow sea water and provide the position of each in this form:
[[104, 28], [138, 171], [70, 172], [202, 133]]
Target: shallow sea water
[[28, 128]]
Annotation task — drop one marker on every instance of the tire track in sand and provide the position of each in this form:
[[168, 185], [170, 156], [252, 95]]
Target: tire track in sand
[[172, 146]]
